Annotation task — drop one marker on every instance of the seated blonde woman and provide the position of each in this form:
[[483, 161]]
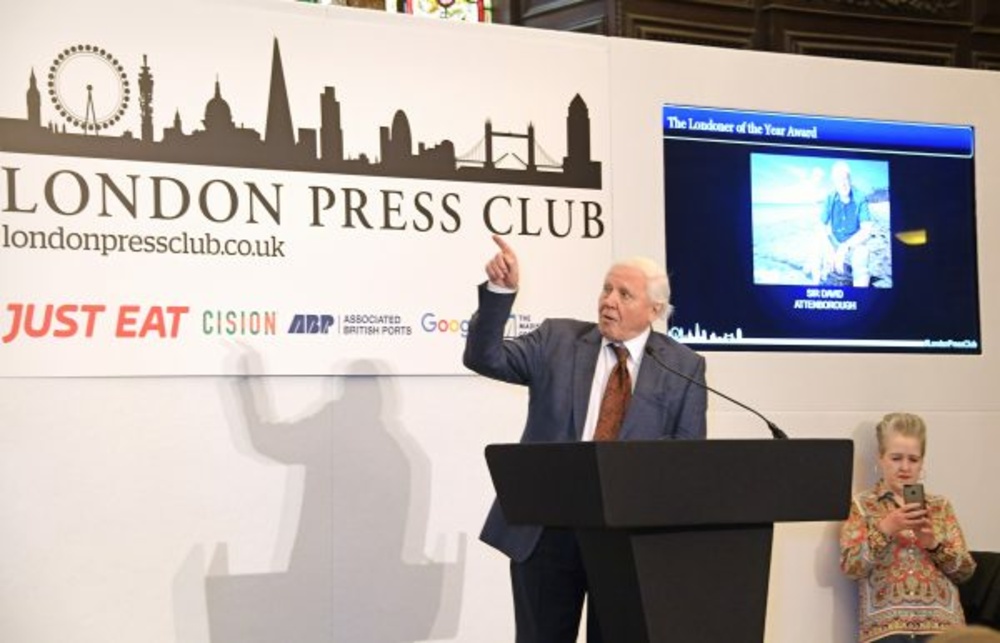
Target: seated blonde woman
[[906, 557]]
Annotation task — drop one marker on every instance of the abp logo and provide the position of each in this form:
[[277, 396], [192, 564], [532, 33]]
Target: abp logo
[[309, 324]]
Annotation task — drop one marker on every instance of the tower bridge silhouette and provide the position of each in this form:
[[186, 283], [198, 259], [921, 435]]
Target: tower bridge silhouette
[[483, 153]]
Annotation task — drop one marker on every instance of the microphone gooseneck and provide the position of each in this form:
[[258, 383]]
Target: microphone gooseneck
[[775, 430]]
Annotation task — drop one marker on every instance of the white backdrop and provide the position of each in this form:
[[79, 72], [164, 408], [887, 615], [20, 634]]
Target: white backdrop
[[182, 509], [367, 237]]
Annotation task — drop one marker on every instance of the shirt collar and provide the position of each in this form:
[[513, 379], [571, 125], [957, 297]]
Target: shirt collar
[[884, 493], [634, 346]]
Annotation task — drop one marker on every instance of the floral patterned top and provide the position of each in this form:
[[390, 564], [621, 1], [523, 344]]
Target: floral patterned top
[[903, 588]]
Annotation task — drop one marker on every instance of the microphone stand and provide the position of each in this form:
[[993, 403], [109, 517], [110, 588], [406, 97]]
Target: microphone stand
[[775, 431]]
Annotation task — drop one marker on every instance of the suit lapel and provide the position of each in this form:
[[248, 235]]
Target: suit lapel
[[584, 365], [647, 383]]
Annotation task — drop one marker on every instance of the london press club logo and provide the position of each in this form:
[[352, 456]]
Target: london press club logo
[[90, 95]]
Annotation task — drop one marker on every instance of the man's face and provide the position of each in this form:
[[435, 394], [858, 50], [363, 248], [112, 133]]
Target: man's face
[[842, 183], [624, 309], [902, 461]]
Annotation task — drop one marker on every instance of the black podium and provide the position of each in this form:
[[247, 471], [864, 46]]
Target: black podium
[[675, 535]]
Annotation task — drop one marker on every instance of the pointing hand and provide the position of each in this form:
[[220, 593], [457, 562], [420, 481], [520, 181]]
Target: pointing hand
[[502, 269]]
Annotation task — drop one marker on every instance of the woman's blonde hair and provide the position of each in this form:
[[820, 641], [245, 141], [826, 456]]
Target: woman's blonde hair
[[905, 424]]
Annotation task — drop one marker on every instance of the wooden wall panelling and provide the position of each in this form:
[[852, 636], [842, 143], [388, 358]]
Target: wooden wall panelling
[[957, 33]]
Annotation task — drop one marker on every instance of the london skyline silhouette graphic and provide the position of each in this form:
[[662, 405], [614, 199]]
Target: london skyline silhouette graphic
[[220, 142]]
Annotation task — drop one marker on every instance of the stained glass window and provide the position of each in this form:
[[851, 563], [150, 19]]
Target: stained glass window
[[467, 10]]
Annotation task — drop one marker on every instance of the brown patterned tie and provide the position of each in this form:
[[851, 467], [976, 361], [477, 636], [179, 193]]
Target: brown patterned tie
[[617, 394]]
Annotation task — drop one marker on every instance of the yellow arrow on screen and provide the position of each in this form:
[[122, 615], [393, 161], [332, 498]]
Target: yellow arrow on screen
[[913, 237]]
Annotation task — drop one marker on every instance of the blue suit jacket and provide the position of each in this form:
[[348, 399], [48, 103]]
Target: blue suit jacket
[[557, 362]]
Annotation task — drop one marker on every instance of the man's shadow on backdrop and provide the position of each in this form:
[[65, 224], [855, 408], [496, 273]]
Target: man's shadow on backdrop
[[366, 486]]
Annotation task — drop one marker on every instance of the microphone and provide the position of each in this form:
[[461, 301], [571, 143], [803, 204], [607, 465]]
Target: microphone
[[775, 431]]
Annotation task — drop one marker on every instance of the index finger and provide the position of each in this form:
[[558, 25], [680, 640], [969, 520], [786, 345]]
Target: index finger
[[504, 248]]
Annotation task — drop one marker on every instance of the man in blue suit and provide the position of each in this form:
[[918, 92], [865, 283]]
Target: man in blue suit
[[565, 364]]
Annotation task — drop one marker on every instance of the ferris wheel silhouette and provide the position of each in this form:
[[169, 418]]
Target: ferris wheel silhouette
[[88, 88]]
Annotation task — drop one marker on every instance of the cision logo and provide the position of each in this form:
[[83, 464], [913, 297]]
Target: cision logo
[[312, 324], [239, 322]]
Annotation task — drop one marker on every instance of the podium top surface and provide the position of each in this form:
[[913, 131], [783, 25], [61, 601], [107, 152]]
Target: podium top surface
[[673, 483]]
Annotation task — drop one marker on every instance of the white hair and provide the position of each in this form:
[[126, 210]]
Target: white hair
[[657, 282], [840, 168]]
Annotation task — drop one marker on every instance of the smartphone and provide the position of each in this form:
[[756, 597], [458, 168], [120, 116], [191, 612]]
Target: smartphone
[[914, 493]]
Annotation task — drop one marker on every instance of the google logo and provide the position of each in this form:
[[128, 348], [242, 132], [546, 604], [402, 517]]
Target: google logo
[[431, 323]]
